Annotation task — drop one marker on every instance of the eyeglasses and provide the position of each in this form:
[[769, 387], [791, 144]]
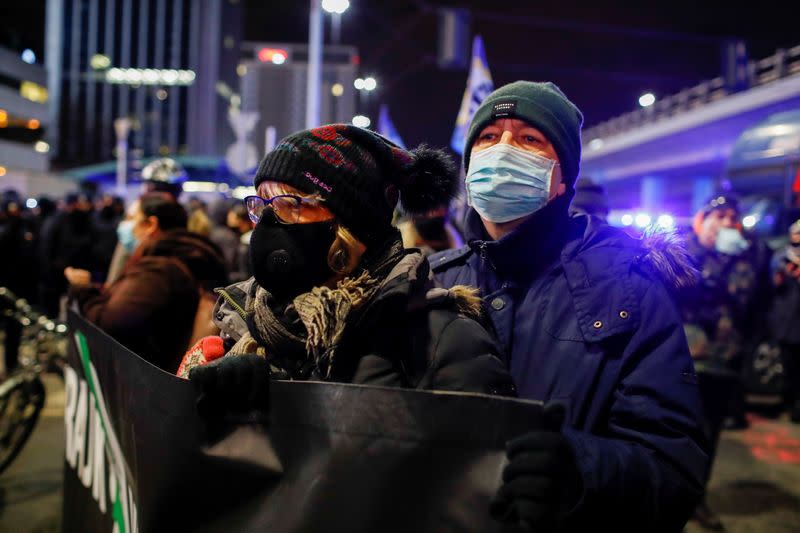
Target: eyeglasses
[[286, 207]]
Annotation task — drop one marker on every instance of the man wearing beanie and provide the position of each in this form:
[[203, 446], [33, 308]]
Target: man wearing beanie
[[587, 322]]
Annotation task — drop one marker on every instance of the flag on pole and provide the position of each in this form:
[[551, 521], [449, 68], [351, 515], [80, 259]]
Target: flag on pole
[[479, 85], [386, 127]]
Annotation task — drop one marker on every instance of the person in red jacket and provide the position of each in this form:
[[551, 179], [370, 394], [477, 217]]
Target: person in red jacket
[[153, 307]]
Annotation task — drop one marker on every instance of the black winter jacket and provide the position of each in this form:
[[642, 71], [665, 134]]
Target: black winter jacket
[[409, 335]]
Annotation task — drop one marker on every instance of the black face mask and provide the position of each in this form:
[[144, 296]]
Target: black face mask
[[290, 259]]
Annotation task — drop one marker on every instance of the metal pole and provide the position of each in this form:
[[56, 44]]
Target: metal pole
[[122, 126], [270, 139], [314, 64], [336, 27]]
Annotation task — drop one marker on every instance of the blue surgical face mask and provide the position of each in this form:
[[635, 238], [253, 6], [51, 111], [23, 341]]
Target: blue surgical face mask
[[730, 242], [505, 183], [125, 235]]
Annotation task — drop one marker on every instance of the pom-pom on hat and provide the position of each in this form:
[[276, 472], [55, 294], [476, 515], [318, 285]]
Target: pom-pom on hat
[[361, 176]]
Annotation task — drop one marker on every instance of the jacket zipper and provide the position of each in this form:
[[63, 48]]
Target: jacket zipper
[[228, 298]]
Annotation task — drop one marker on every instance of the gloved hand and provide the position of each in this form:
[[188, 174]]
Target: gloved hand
[[232, 384], [541, 482]]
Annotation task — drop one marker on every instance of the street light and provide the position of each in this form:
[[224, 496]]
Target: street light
[[28, 56], [335, 6], [370, 84], [361, 121], [647, 99], [358, 84]]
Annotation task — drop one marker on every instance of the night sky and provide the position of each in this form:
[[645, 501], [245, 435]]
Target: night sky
[[603, 54]]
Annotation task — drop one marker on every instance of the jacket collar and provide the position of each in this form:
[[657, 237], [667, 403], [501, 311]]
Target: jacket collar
[[530, 247]]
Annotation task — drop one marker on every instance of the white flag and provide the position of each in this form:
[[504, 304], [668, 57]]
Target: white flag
[[479, 85]]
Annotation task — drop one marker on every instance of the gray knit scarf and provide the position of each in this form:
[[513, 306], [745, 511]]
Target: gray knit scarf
[[324, 314]]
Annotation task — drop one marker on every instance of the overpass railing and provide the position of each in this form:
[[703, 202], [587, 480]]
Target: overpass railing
[[784, 63]]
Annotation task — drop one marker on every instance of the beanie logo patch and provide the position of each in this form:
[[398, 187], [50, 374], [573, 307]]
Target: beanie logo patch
[[318, 182], [503, 108]]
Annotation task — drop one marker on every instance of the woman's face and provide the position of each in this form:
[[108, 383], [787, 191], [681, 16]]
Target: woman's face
[[308, 211]]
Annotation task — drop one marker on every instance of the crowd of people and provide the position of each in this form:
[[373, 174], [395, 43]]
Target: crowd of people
[[344, 266]]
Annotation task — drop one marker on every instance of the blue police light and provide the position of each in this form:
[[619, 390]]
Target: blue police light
[[665, 221], [643, 220]]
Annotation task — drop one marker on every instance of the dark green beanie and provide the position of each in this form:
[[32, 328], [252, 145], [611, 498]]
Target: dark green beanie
[[543, 106]]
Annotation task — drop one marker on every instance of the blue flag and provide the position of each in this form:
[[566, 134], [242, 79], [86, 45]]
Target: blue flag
[[479, 85], [386, 127]]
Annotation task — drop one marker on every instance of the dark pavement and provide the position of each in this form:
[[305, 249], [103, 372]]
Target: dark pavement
[[755, 485]]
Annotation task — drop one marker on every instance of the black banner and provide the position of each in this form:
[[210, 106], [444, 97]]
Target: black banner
[[333, 457]]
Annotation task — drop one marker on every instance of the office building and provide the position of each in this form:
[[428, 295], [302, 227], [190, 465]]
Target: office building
[[157, 62]]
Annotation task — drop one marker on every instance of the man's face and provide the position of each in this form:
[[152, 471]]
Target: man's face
[[522, 135], [716, 219]]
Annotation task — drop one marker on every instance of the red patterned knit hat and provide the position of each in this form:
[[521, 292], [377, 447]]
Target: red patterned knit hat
[[361, 175]]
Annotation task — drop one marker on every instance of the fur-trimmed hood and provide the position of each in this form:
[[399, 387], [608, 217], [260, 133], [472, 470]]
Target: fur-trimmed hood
[[661, 253], [666, 254]]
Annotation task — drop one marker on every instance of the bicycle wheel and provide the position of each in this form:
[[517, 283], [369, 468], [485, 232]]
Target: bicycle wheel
[[21, 401]]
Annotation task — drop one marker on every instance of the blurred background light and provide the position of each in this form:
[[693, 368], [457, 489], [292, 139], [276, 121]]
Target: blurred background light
[[643, 220], [335, 6], [243, 192], [100, 62], [665, 222], [28, 56], [277, 56], [199, 186], [361, 121], [749, 221], [647, 99], [627, 219]]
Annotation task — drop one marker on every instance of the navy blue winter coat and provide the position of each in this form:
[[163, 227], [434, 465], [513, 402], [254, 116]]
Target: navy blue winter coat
[[585, 318]]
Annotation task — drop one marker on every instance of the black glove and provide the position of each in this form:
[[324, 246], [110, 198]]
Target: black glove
[[232, 384], [541, 482]]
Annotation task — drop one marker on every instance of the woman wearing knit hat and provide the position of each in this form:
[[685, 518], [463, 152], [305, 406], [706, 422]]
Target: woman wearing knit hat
[[335, 296], [586, 321]]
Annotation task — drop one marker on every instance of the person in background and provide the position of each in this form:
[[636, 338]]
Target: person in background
[[784, 317], [226, 238], [590, 198], [199, 223], [431, 232], [721, 317], [587, 324], [18, 269], [242, 224], [335, 296], [106, 219], [162, 301], [69, 238], [163, 175]]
